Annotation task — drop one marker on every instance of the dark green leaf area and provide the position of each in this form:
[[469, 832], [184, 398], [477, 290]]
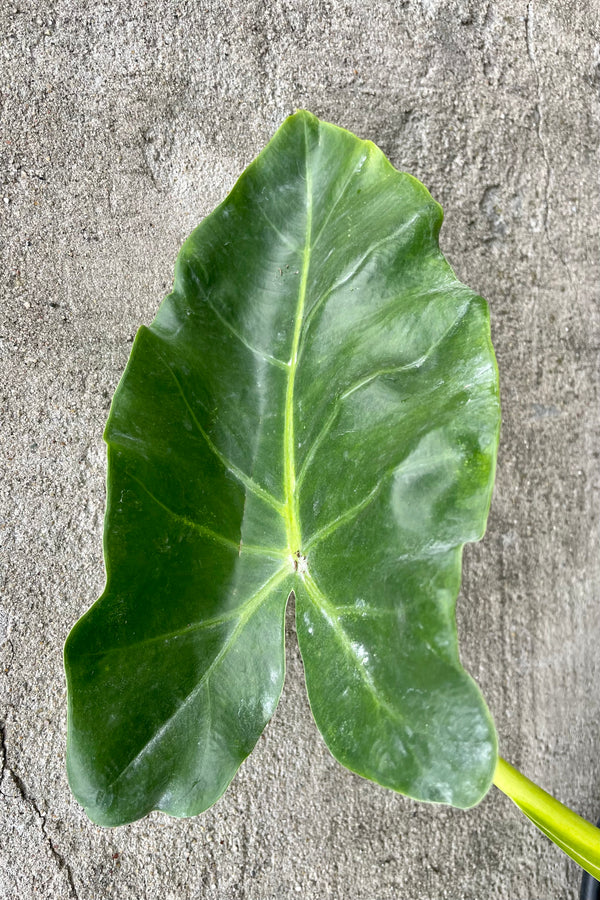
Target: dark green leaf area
[[179, 709], [378, 639], [169, 561], [186, 639], [236, 290], [407, 429], [414, 449], [164, 421], [390, 707]]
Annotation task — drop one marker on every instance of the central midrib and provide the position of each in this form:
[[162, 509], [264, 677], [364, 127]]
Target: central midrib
[[291, 511]]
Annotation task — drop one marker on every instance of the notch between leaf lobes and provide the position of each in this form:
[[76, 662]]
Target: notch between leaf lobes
[[299, 562]]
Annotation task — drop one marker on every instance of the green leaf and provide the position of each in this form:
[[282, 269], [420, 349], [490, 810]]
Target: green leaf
[[315, 408]]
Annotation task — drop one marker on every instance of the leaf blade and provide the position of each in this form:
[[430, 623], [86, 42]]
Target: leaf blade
[[260, 428]]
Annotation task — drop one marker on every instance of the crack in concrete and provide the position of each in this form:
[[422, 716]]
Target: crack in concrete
[[31, 802], [540, 136], [3, 756]]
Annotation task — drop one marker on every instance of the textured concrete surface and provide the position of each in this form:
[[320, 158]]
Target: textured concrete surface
[[123, 124]]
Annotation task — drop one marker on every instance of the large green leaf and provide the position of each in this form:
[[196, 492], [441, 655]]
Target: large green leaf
[[314, 408]]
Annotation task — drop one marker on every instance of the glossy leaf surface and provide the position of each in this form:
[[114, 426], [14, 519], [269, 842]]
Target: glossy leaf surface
[[314, 408]]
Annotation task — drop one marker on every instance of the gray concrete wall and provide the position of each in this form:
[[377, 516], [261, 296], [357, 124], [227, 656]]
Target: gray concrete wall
[[123, 124]]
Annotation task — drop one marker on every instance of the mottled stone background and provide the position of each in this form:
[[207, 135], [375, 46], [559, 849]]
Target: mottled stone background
[[123, 124]]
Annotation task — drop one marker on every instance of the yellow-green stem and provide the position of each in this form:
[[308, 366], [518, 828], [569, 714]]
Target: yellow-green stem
[[576, 836]]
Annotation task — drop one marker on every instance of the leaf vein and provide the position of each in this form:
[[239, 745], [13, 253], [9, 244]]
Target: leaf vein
[[361, 262], [415, 363], [346, 516], [329, 611], [241, 476], [367, 379], [292, 517], [169, 635], [266, 357], [277, 231], [197, 526], [239, 546], [337, 200], [250, 608]]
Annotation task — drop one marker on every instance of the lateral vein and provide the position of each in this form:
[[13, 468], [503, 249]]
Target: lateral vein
[[326, 608], [266, 357], [248, 609], [346, 516], [248, 482]]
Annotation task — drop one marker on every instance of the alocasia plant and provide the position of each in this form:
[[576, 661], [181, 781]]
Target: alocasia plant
[[313, 410]]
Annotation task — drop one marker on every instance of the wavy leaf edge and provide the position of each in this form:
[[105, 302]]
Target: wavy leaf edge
[[294, 567]]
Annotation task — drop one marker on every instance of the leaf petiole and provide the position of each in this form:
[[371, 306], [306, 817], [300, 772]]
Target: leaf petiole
[[576, 836]]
